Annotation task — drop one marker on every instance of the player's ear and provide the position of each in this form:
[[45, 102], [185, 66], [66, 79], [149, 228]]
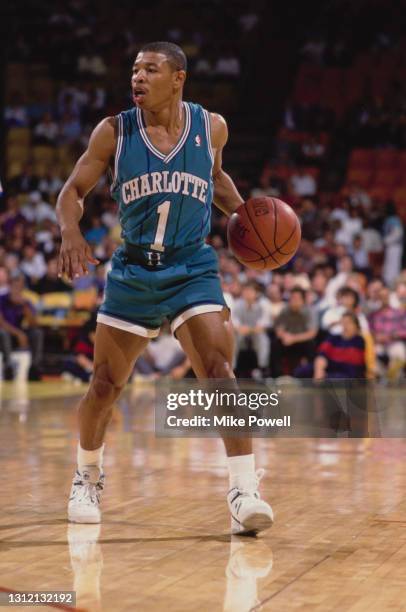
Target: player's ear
[[179, 77]]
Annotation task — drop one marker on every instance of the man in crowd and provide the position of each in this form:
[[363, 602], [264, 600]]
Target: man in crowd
[[388, 326], [251, 319], [18, 329], [295, 330]]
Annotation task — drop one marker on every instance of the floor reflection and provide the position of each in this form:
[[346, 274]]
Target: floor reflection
[[87, 563], [250, 560]]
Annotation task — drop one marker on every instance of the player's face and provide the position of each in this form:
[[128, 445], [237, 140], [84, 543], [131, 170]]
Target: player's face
[[153, 81]]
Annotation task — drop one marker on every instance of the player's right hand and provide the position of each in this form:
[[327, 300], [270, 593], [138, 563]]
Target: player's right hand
[[74, 255]]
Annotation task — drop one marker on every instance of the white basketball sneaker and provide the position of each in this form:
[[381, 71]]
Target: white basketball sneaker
[[249, 513], [85, 495]]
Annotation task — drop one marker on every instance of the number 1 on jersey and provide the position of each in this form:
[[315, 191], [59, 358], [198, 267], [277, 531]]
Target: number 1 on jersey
[[163, 212]]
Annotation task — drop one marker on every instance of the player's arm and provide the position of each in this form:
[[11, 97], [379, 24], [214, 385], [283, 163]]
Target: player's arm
[[75, 252], [226, 196]]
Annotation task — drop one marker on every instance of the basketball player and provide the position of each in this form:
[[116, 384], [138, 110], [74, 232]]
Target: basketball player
[[167, 171]]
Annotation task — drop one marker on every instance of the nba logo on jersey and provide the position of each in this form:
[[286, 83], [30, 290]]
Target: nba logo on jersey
[[198, 140]]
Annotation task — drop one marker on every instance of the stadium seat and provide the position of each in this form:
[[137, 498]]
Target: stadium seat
[[386, 158], [380, 192], [32, 297], [399, 196], [353, 85], [361, 158], [18, 152], [55, 301], [41, 168], [20, 136], [85, 299], [313, 171], [43, 154], [14, 169], [402, 161], [386, 178], [332, 89], [362, 177]]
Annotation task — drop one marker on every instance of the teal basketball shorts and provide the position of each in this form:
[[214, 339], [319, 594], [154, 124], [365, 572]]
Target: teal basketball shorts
[[138, 298]]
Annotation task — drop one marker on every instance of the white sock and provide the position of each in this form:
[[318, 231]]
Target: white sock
[[239, 467], [92, 457]]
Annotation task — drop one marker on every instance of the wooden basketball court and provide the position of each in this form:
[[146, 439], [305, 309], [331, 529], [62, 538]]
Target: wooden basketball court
[[338, 543]]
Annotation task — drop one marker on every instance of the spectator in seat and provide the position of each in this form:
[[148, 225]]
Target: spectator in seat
[[274, 294], [312, 151], [360, 255], [11, 217], [347, 301], [4, 281], [342, 355], [46, 131], [227, 65], [345, 268], [16, 114], [302, 183], [50, 282], [393, 241], [295, 330], [398, 297], [163, 356], [80, 364], [18, 329], [37, 210], [270, 184], [70, 129], [373, 296], [51, 183], [372, 242], [251, 318], [358, 196], [25, 182], [388, 327], [33, 263]]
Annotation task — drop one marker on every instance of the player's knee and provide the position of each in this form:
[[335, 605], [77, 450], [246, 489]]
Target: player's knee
[[217, 366], [103, 388]]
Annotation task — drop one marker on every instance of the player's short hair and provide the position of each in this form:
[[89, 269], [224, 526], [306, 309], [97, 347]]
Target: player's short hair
[[174, 53]]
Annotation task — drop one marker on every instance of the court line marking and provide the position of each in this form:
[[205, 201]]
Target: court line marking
[[49, 605], [288, 584]]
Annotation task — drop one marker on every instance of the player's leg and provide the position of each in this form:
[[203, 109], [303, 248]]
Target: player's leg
[[115, 353], [208, 341]]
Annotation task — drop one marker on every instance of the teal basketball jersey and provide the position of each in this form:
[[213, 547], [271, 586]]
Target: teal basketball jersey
[[164, 200]]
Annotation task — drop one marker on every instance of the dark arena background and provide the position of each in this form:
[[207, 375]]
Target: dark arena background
[[314, 95]]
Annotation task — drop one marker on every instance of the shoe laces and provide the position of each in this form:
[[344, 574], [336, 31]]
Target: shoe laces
[[86, 489], [248, 485]]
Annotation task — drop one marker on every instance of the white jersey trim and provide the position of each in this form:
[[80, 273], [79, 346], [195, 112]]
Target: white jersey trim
[[192, 312], [208, 134], [120, 136], [127, 326], [165, 158]]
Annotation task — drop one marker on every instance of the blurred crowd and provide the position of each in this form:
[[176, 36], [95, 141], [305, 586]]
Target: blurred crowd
[[338, 309]]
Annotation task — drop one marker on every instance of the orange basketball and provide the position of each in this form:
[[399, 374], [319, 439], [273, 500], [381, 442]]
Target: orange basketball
[[264, 233]]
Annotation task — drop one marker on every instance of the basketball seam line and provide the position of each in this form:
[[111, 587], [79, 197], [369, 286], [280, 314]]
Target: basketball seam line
[[263, 243], [278, 249], [249, 249]]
